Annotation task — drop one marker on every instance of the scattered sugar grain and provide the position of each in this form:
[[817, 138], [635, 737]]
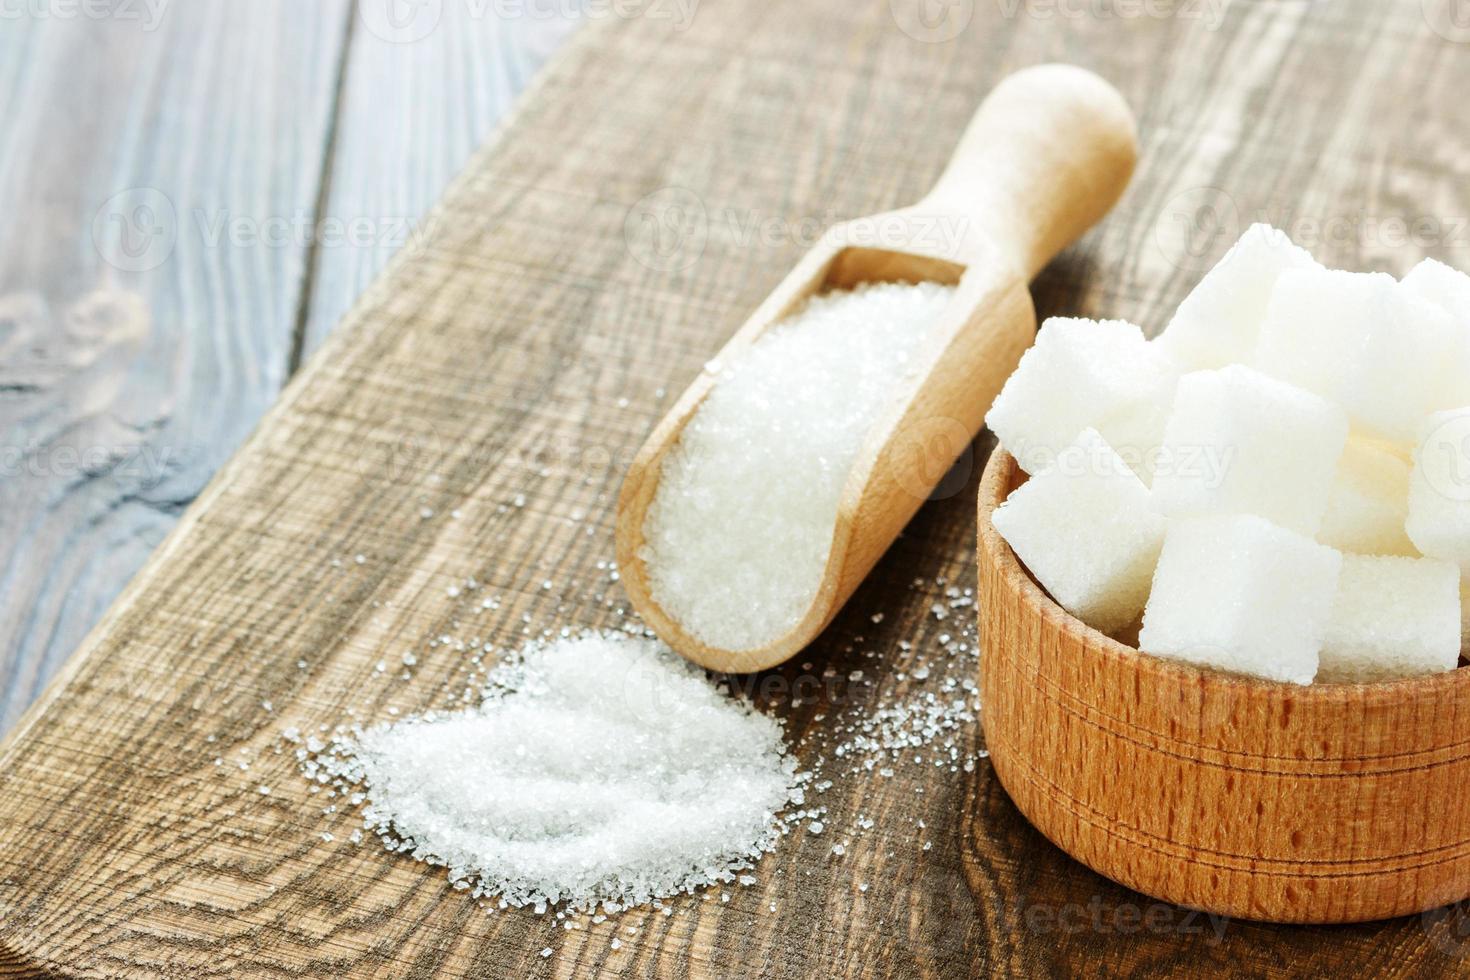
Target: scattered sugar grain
[[739, 530]]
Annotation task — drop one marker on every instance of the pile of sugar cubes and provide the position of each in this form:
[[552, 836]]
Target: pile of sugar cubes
[[1278, 485]]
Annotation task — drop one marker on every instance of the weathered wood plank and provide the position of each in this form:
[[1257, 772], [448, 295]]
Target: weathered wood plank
[[417, 101], [520, 351], [153, 161]]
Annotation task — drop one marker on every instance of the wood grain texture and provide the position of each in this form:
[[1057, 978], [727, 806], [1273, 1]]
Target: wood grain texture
[[145, 319], [416, 102], [1244, 798], [289, 153], [495, 363]]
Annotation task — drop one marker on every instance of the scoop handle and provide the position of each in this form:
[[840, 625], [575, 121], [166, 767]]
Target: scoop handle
[[1048, 152]]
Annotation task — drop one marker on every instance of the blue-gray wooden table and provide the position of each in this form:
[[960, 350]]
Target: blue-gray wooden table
[[192, 194]]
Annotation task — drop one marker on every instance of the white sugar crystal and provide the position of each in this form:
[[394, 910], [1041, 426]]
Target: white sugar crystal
[[1086, 529], [1364, 340], [1241, 594], [1393, 617], [1439, 489], [1369, 502], [600, 768], [1239, 442], [1218, 322], [738, 533], [1085, 374]]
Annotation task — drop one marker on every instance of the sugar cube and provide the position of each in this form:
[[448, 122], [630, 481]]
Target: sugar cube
[[1218, 321], [1239, 442], [1449, 288], [1085, 528], [1439, 489], [1377, 348], [1241, 594], [1369, 502], [1080, 374], [1442, 284], [1392, 617]]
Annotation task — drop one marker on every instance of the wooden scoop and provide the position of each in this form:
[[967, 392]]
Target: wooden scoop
[[1046, 155]]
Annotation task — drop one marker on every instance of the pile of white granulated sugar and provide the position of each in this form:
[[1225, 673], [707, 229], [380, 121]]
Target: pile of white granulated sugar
[[598, 769], [739, 531]]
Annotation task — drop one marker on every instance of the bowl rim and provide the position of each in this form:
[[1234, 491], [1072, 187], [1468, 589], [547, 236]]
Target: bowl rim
[[995, 482]]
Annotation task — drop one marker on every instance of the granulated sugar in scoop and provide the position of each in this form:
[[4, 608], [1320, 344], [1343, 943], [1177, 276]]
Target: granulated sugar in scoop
[[738, 535], [599, 769]]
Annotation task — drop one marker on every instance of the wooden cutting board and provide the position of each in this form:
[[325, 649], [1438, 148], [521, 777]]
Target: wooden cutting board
[[474, 415]]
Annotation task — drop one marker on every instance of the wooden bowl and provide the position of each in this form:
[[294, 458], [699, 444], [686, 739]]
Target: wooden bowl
[[1260, 800]]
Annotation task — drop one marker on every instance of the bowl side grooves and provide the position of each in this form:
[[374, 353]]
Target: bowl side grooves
[[1265, 801]]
